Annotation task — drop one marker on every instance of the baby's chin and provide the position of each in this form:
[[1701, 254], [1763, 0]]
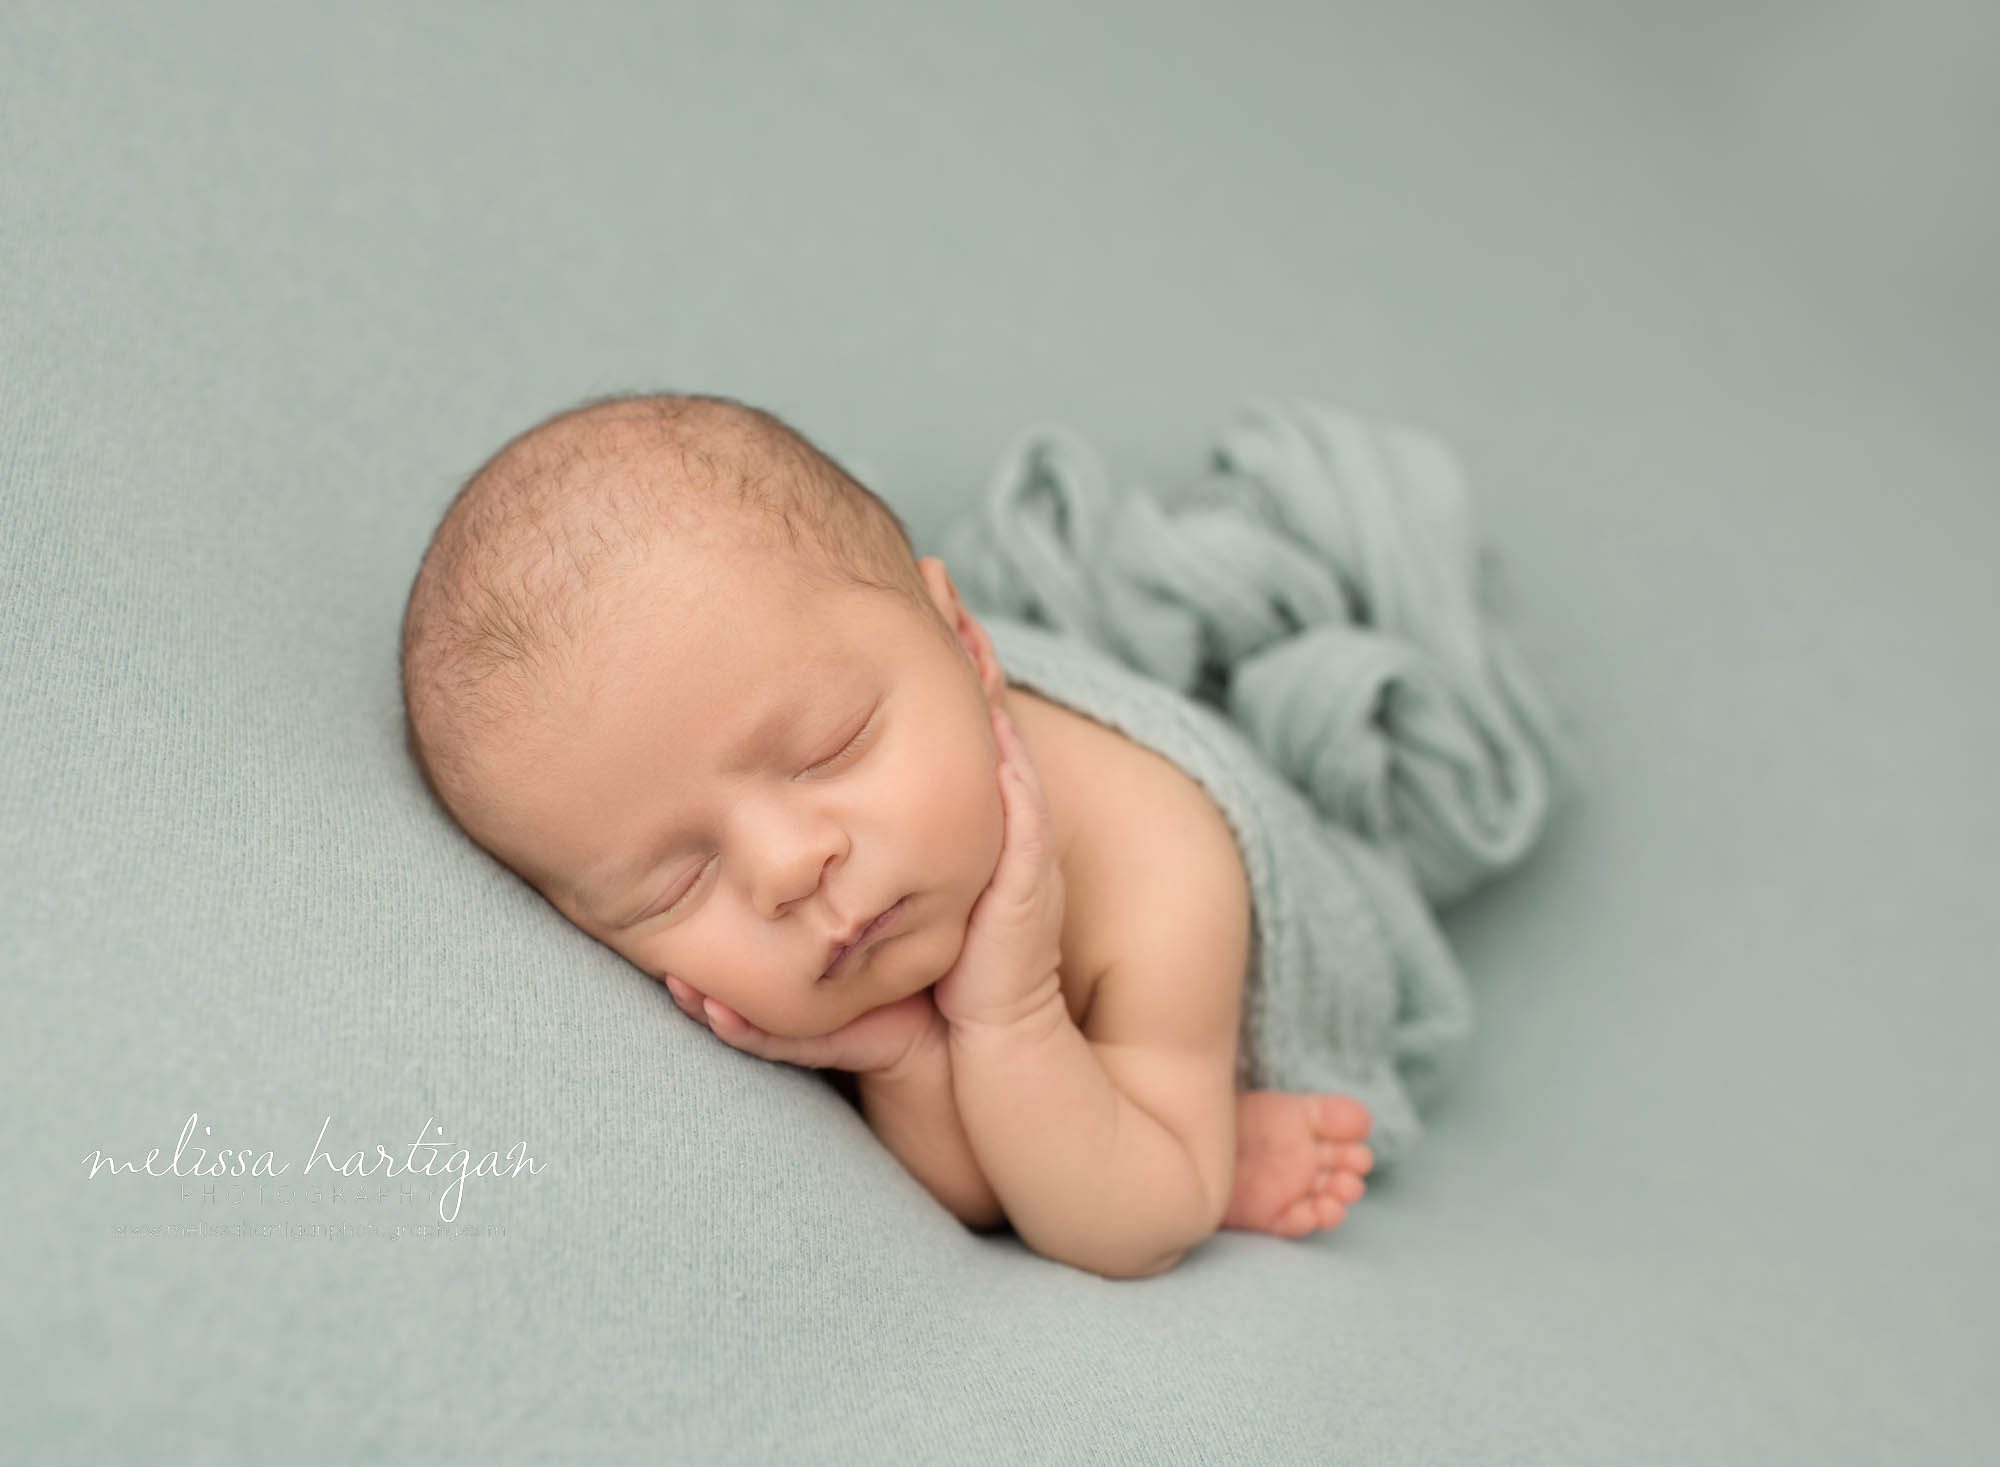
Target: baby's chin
[[865, 999]]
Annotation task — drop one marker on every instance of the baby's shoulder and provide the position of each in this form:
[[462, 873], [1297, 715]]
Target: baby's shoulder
[[1144, 842]]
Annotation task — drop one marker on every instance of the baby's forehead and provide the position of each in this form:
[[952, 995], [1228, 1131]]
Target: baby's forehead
[[789, 630]]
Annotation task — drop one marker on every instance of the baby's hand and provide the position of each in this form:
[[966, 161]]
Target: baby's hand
[[880, 1039], [1008, 966]]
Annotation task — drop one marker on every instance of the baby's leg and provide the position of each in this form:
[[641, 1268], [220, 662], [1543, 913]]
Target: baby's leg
[[1299, 1161]]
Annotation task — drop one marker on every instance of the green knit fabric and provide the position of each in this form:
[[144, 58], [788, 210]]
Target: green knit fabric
[[1307, 629]]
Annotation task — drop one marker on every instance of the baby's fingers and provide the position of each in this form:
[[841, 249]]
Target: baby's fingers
[[685, 998], [1014, 753], [1025, 810], [738, 1032], [725, 1021]]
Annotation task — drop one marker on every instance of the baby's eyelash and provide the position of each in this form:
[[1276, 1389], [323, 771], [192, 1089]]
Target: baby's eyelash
[[853, 746], [680, 901]]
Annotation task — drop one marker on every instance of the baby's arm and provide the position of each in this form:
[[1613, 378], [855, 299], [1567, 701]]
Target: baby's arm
[[894, 1064], [1119, 1176], [913, 1112], [1089, 1176]]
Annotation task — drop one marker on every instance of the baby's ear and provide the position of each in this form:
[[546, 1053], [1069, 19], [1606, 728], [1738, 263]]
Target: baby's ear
[[972, 638]]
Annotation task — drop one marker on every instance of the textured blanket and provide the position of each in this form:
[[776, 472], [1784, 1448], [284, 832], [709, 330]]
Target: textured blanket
[[1307, 629]]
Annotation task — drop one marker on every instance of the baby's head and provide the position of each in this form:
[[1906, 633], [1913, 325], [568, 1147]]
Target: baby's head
[[682, 673]]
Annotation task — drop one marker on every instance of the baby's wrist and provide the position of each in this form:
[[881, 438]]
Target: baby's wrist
[[1032, 1018], [925, 1052]]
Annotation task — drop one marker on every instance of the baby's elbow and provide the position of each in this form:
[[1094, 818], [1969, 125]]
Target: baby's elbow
[[1206, 1225], [1148, 1269], [1149, 1266]]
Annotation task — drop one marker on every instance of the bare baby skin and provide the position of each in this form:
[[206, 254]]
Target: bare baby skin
[[831, 756]]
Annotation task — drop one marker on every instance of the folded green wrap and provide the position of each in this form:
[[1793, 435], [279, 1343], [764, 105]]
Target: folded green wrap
[[1305, 630]]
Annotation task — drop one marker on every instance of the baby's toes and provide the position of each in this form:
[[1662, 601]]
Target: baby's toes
[[1329, 1155], [1341, 1118], [1301, 1217]]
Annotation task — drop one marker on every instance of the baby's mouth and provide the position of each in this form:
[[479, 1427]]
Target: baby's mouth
[[868, 934]]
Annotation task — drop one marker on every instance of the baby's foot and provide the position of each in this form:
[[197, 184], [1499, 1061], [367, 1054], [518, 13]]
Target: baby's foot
[[1299, 1161]]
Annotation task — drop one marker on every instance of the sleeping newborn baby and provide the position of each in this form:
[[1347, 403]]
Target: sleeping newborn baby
[[681, 672]]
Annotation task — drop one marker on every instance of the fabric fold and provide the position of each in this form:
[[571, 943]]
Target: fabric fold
[[1308, 627]]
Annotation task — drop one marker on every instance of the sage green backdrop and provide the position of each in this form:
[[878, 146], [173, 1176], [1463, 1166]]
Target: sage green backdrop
[[1702, 298]]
